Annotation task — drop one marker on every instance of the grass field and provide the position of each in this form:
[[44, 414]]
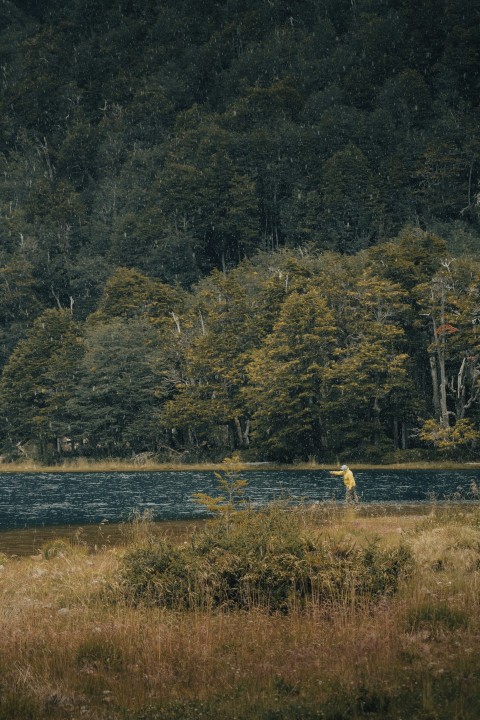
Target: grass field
[[72, 646]]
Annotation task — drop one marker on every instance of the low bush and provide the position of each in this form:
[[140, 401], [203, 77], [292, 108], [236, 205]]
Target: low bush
[[264, 559], [156, 574]]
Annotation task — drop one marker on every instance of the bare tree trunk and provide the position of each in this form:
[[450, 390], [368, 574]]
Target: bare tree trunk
[[443, 386], [460, 391], [242, 433], [437, 358], [57, 297], [396, 443], [433, 371], [202, 322], [467, 376], [177, 322], [376, 421]]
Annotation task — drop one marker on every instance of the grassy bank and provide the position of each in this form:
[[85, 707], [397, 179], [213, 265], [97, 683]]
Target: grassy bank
[[85, 465], [71, 646]]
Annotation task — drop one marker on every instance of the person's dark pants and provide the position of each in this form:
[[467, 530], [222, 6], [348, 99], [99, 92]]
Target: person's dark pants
[[351, 495]]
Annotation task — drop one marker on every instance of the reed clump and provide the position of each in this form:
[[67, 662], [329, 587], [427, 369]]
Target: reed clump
[[77, 640]]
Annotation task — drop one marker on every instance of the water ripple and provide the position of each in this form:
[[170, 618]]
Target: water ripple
[[48, 499]]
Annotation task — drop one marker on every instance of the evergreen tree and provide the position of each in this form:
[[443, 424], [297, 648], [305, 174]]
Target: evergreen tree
[[19, 304], [228, 319], [287, 375], [370, 370], [129, 294], [37, 382], [123, 381]]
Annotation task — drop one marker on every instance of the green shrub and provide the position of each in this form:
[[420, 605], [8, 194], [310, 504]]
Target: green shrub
[[156, 574], [261, 559], [343, 571]]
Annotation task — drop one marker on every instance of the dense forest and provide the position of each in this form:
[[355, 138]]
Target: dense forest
[[246, 225]]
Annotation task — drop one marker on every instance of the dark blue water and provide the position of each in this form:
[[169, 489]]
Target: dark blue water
[[48, 499]]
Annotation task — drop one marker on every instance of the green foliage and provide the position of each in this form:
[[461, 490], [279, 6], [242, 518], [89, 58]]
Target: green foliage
[[223, 324], [172, 141], [157, 574], [122, 384], [230, 489], [448, 439], [144, 146], [19, 303], [286, 357], [287, 376], [38, 381], [129, 294]]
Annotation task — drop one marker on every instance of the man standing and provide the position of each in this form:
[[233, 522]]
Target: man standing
[[349, 480]]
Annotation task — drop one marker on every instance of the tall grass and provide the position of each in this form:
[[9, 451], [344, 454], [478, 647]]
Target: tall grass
[[82, 464], [107, 465], [73, 646]]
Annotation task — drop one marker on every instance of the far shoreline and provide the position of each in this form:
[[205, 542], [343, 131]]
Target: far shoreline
[[111, 466]]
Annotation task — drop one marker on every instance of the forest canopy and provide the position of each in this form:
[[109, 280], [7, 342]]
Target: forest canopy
[[239, 225]]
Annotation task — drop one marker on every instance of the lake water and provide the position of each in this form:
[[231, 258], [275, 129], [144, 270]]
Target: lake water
[[41, 500]]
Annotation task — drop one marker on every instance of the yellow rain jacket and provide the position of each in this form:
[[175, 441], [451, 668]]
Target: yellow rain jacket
[[348, 478]]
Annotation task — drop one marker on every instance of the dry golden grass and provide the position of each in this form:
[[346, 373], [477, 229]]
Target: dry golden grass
[[122, 465], [113, 465], [68, 651]]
